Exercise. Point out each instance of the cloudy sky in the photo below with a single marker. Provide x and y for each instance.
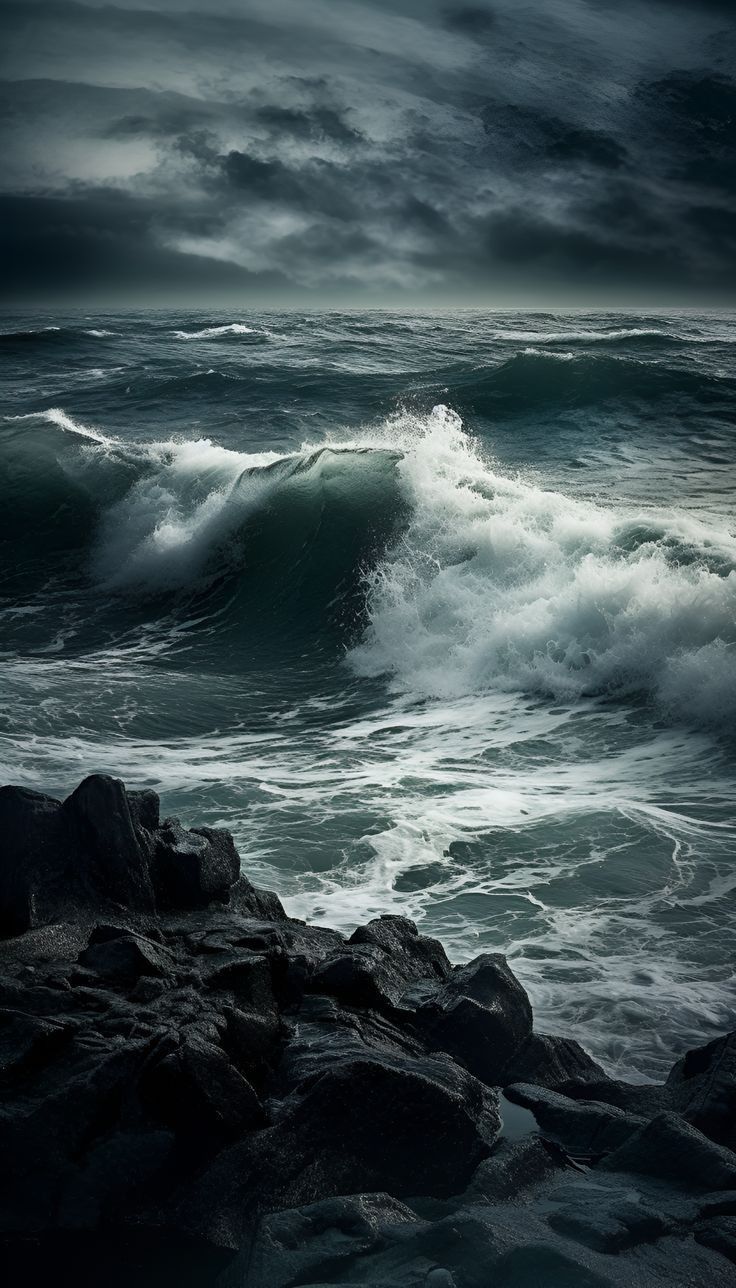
(369, 151)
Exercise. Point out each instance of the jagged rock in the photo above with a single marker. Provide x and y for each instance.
(647, 1100)
(481, 1016)
(119, 1173)
(255, 902)
(318, 1241)
(106, 844)
(253, 1041)
(27, 1043)
(380, 963)
(512, 1170)
(122, 958)
(414, 956)
(584, 1129)
(193, 868)
(552, 1062)
(702, 1086)
(213, 1094)
(328, 1035)
(248, 976)
(670, 1148)
(605, 1220)
(32, 829)
(417, 1128)
(105, 848)
(719, 1235)
(196, 1090)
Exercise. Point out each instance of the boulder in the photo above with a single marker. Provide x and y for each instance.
(27, 1043)
(196, 1091)
(514, 1169)
(122, 958)
(672, 1149)
(414, 956)
(193, 868)
(720, 1235)
(380, 965)
(552, 1062)
(314, 1243)
(481, 1016)
(253, 1041)
(702, 1087)
(586, 1129)
(110, 854)
(608, 1220)
(420, 1127)
(34, 856)
(248, 976)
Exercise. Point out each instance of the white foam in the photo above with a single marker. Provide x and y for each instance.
(99, 334)
(185, 506)
(212, 332)
(498, 584)
(585, 336)
(56, 416)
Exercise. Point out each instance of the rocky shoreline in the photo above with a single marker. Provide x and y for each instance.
(201, 1091)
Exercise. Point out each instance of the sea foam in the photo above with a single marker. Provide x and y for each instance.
(499, 584)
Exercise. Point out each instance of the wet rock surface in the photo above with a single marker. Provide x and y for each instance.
(198, 1090)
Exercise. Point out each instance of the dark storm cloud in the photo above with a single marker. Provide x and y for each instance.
(528, 134)
(405, 150)
(472, 20)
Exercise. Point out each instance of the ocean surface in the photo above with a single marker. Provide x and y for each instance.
(437, 612)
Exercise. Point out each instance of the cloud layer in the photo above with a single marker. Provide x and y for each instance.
(369, 151)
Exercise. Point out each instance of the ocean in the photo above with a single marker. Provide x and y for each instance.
(436, 612)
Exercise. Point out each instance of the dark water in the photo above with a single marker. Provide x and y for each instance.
(437, 613)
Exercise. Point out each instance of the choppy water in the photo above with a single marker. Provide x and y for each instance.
(436, 612)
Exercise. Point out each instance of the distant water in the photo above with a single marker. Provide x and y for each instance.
(436, 612)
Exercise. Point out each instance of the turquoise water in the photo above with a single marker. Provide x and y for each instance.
(436, 612)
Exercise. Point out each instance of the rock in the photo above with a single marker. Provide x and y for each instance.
(585, 1129)
(121, 1171)
(109, 852)
(481, 1016)
(609, 1220)
(420, 1128)
(28, 1043)
(34, 849)
(248, 976)
(105, 848)
(209, 1093)
(196, 1091)
(703, 1089)
(145, 809)
(513, 1169)
(253, 902)
(411, 954)
(319, 1241)
(193, 868)
(123, 958)
(670, 1148)
(253, 1042)
(552, 1062)
(720, 1235)
(647, 1100)
(380, 963)
(327, 1035)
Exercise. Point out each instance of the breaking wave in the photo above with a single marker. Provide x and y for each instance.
(217, 332)
(454, 577)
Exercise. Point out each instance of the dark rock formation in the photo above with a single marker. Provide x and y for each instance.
(199, 1091)
(481, 1016)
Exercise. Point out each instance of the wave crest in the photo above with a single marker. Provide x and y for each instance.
(499, 584)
